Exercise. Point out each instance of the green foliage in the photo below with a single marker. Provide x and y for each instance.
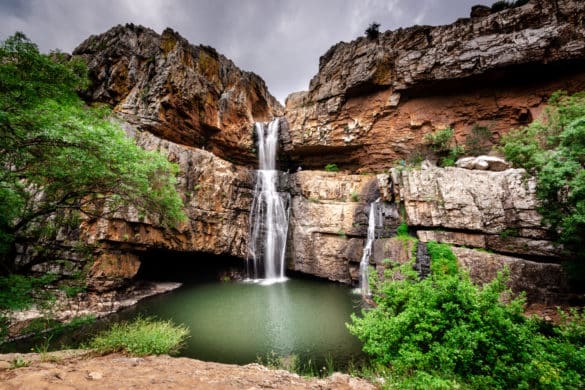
(440, 141)
(445, 332)
(442, 144)
(478, 141)
(554, 150)
(402, 230)
(373, 31)
(331, 168)
(355, 196)
(57, 154)
(143, 336)
(19, 362)
(18, 292)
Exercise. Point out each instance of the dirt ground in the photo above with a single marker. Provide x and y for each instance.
(79, 370)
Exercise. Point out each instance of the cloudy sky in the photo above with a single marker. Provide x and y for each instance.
(280, 40)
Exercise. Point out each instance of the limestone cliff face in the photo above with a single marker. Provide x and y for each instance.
(191, 95)
(374, 100)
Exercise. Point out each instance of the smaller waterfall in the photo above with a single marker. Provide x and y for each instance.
(373, 220)
(269, 213)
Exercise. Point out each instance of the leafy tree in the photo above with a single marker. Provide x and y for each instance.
(373, 31)
(61, 157)
(554, 150)
(445, 332)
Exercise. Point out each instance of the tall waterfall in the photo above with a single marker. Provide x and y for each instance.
(365, 261)
(269, 213)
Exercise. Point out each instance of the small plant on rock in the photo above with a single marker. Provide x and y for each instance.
(331, 168)
(373, 31)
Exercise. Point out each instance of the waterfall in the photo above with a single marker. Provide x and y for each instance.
(373, 220)
(269, 213)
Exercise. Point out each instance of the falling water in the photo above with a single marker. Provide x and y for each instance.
(364, 263)
(269, 213)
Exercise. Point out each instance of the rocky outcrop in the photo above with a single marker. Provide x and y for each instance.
(481, 209)
(329, 221)
(217, 196)
(373, 101)
(191, 95)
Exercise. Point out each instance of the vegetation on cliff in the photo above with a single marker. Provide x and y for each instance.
(554, 150)
(445, 332)
(60, 159)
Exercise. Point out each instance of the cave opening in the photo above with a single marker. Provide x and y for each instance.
(162, 265)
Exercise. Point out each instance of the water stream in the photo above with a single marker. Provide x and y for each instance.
(269, 213)
(373, 221)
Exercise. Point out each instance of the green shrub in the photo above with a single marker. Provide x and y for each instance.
(445, 332)
(440, 141)
(373, 31)
(554, 150)
(19, 292)
(355, 196)
(143, 336)
(500, 6)
(402, 230)
(478, 141)
(331, 168)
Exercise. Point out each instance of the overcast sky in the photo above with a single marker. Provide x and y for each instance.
(280, 40)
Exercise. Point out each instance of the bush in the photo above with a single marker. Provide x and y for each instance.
(331, 168)
(19, 292)
(554, 150)
(373, 31)
(143, 336)
(445, 332)
(440, 141)
(402, 230)
(500, 6)
(478, 141)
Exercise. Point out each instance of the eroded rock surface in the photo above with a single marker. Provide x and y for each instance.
(191, 95)
(329, 222)
(373, 101)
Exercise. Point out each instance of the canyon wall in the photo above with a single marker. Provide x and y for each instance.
(374, 100)
(367, 110)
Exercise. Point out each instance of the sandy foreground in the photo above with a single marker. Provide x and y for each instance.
(76, 369)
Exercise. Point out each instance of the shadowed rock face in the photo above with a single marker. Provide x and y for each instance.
(187, 94)
(374, 100)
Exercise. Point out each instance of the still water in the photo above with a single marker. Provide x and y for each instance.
(237, 322)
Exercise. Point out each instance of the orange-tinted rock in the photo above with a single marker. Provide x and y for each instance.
(187, 94)
(373, 101)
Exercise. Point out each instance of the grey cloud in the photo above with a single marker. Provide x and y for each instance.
(279, 40)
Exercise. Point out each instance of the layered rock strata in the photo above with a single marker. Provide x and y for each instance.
(191, 95)
(373, 101)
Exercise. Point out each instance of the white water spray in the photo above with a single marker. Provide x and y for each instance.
(365, 261)
(269, 213)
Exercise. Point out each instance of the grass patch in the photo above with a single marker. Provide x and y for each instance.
(141, 337)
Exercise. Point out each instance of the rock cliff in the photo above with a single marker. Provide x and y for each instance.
(374, 100)
(191, 95)
(369, 106)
